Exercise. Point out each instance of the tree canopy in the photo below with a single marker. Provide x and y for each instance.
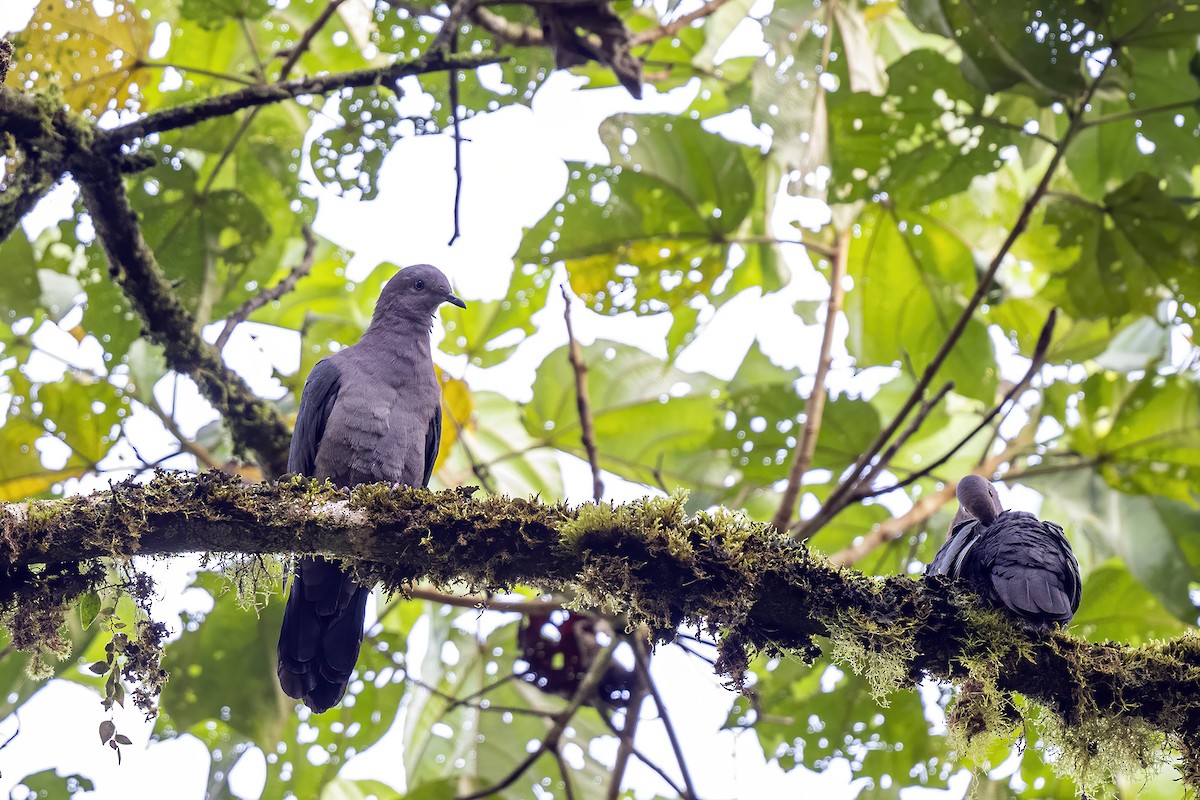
(990, 211)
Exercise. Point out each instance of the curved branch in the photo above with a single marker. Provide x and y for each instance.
(755, 587)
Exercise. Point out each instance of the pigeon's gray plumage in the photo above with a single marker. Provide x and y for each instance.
(371, 412)
(1010, 558)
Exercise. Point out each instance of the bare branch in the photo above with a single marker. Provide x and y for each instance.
(675, 26)
(814, 406)
(301, 47)
(841, 497)
(892, 529)
(642, 657)
(225, 104)
(588, 433)
(627, 734)
(483, 603)
(1036, 360)
(267, 296)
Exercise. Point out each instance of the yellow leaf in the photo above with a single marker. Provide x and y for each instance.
(457, 410)
(23, 487)
(93, 57)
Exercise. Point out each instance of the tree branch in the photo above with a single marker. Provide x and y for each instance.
(675, 26)
(584, 692)
(814, 406)
(254, 423)
(756, 588)
(1035, 363)
(225, 104)
(642, 658)
(841, 496)
(587, 431)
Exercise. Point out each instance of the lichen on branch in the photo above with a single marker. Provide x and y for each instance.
(755, 589)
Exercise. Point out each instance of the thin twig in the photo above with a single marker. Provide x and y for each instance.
(588, 433)
(266, 296)
(565, 771)
(1037, 359)
(197, 451)
(584, 692)
(642, 658)
(306, 38)
(481, 603)
(892, 529)
(814, 406)
(445, 36)
(1139, 113)
(927, 407)
(454, 117)
(675, 26)
(840, 498)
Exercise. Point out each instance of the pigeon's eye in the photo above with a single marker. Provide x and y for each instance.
(419, 284)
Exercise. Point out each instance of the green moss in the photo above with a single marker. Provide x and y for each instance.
(880, 653)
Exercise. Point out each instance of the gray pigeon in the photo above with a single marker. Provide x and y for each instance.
(1010, 558)
(371, 412)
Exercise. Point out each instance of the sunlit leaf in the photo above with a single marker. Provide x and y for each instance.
(94, 51)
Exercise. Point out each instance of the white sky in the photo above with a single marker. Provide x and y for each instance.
(513, 173)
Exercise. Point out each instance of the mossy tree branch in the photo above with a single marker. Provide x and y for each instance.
(757, 590)
(254, 423)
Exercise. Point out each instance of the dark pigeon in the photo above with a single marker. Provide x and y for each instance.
(1010, 558)
(371, 412)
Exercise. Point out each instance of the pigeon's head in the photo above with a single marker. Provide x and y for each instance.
(413, 294)
(978, 499)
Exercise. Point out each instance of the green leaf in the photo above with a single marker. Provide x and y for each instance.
(651, 232)
(916, 145)
(1135, 251)
(910, 276)
(50, 784)
(653, 422)
(810, 715)
(228, 641)
(998, 50)
(498, 441)
(216, 13)
(366, 115)
(1144, 532)
(1145, 433)
(343, 789)
(488, 332)
(1116, 607)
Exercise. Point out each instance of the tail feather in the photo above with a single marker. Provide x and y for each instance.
(321, 635)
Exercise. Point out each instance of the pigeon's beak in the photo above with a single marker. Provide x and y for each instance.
(456, 300)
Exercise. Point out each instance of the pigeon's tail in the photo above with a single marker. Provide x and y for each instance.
(321, 635)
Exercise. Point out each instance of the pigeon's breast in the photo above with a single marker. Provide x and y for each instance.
(376, 432)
